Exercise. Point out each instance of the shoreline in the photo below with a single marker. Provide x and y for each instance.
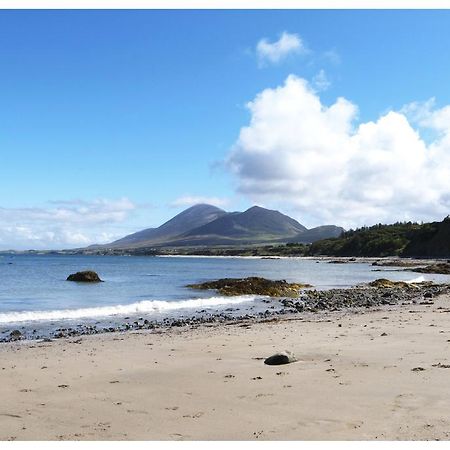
(309, 301)
(372, 373)
(368, 259)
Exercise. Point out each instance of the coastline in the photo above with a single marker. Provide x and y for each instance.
(263, 307)
(369, 373)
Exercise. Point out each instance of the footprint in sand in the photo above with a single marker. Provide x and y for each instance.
(136, 411)
(194, 416)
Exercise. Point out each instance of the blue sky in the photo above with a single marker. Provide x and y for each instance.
(112, 121)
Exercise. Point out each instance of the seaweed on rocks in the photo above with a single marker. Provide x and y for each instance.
(252, 285)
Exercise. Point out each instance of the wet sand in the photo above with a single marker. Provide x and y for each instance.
(378, 374)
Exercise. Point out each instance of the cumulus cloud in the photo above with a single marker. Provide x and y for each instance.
(190, 200)
(64, 224)
(274, 52)
(298, 153)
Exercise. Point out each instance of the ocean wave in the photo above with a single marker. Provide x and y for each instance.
(417, 280)
(145, 306)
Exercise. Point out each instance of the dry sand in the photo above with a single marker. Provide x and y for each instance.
(210, 383)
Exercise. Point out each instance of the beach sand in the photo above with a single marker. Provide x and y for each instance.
(354, 381)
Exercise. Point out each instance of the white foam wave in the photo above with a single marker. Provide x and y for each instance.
(145, 306)
(417, 280)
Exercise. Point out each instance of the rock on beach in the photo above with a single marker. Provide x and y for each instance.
(280, 358)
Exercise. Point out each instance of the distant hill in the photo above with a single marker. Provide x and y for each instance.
(399, 239)
(206, 225)
(318, 233)
(431, 240)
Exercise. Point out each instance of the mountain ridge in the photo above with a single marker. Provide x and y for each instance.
(208, 225)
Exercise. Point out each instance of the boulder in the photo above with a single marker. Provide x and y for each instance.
(87, 276)
(15, 335)
(277, 359)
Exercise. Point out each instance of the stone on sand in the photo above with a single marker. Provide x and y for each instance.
(279, 358)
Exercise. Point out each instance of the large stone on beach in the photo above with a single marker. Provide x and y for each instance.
(87, 276)
(15, 335)
(280, 358)
(252, 286)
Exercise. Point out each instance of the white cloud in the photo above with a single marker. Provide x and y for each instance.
(274, 52)
(190, 200)
(66, 224)
(299, 153)
(332, 56)
(321, 81)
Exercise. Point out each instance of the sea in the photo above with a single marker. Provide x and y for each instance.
(36, 299)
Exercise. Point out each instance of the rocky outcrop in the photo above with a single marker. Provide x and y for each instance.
(384, 283)
(253, 286)
(87, 276)
(441, 268)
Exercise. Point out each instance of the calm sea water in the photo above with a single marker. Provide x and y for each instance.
(34, 290)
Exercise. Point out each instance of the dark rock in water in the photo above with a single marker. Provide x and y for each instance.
(442, 268)
(87, 276)
(15, 335)
(252, 285)
(280, 358)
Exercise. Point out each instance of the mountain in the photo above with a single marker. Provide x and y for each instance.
(193, 217)
(254, 225)
(206, 225)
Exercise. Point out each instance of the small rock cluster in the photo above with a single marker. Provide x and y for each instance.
(364, 297)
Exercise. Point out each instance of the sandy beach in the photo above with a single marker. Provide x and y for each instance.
(377, 374)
